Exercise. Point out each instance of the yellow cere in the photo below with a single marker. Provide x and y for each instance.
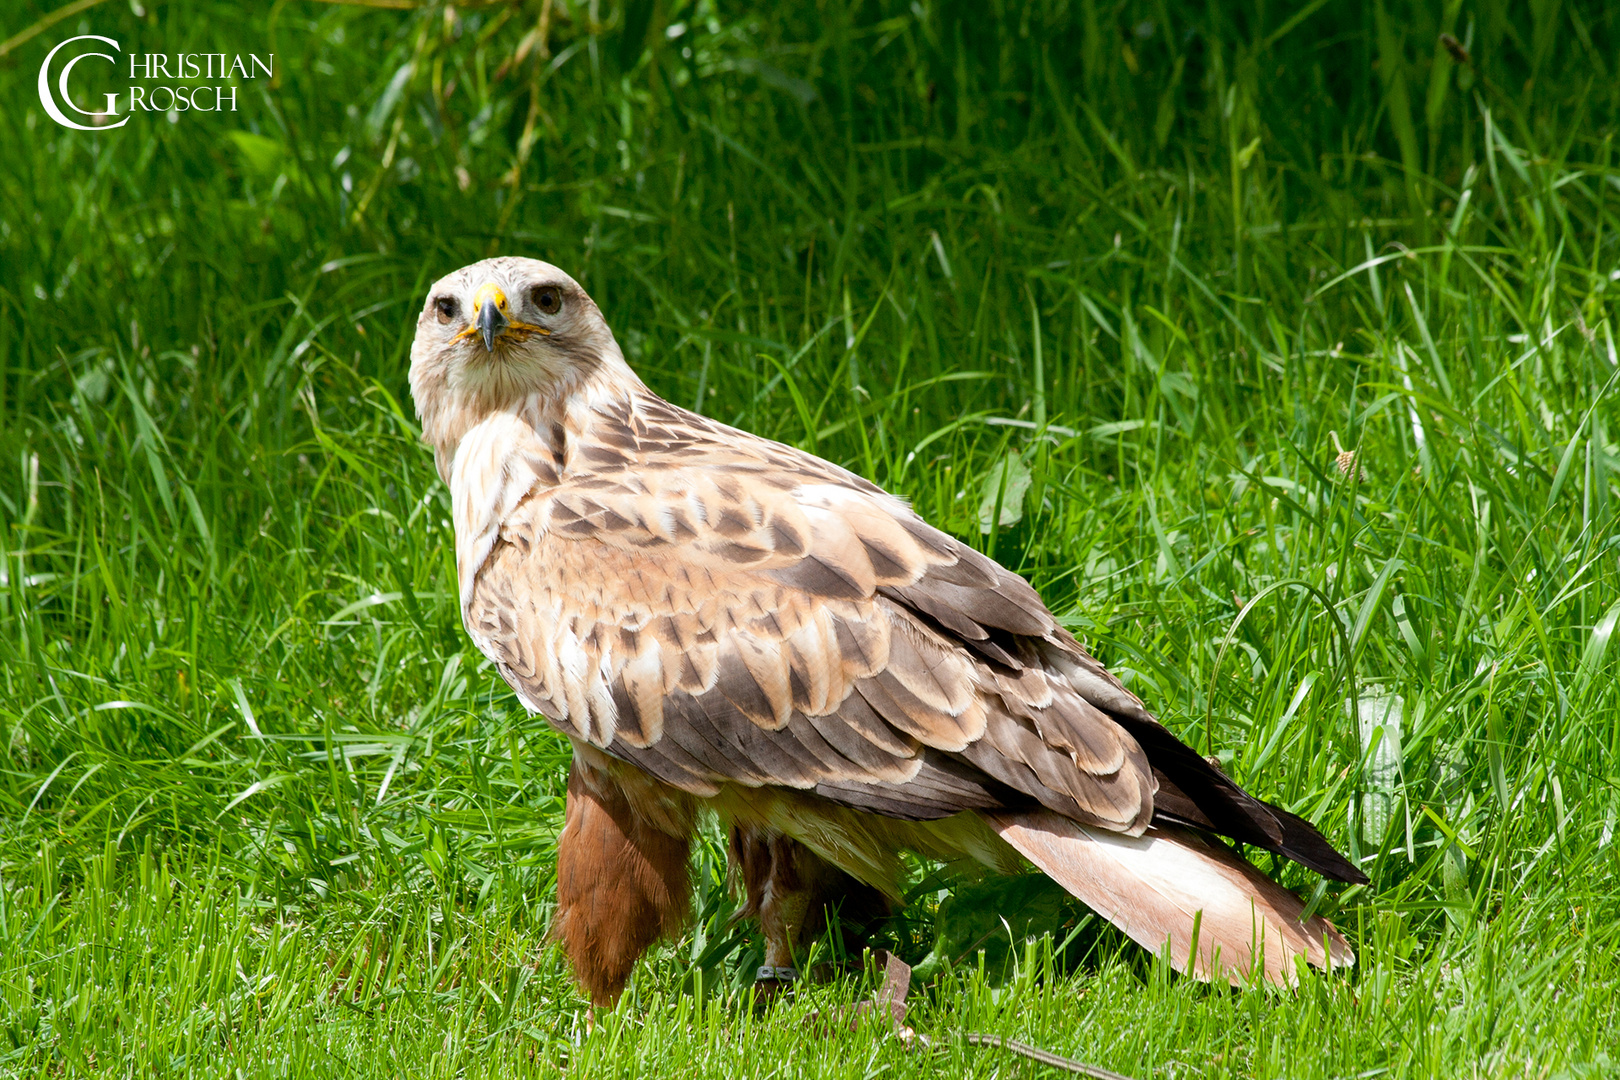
(489, 291)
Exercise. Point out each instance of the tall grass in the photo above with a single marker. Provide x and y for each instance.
(1103, 288)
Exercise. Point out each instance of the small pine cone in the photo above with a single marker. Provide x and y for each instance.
(1348, 461)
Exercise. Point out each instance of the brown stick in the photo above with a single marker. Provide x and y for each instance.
(1045, 1057)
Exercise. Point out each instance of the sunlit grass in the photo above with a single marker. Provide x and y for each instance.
(1103, 290)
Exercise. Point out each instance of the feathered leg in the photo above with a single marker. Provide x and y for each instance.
(791, 890)
(622, 883)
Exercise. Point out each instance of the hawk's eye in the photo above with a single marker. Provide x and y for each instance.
(447, 308)
(548, 298)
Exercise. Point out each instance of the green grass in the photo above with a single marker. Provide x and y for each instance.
(264, 810)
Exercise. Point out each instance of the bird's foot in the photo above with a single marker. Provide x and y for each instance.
(772, 983)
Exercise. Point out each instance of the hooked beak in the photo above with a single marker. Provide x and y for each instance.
(494, 321)
(491, 320)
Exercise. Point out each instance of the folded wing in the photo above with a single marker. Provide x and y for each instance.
(719, 609)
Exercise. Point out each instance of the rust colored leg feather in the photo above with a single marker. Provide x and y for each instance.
(621, 884)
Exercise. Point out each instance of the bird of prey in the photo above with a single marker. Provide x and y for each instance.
(718, 621)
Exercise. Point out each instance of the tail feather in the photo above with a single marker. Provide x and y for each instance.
(1159, 886)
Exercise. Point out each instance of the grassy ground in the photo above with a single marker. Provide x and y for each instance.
(1103, 287)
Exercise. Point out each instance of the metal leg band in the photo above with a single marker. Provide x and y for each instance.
(778, 974)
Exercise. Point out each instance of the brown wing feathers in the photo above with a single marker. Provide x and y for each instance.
(1194, 792)
(719, 609)
(1020, 754)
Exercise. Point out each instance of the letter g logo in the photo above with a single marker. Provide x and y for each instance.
(47, 99)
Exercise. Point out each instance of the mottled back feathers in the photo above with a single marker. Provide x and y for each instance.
(716, 608)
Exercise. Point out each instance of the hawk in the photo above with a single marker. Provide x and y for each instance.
(718, 621)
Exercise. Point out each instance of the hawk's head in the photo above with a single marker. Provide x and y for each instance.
(501, 335)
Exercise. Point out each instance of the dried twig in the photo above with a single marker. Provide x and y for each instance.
(1045, 1057)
